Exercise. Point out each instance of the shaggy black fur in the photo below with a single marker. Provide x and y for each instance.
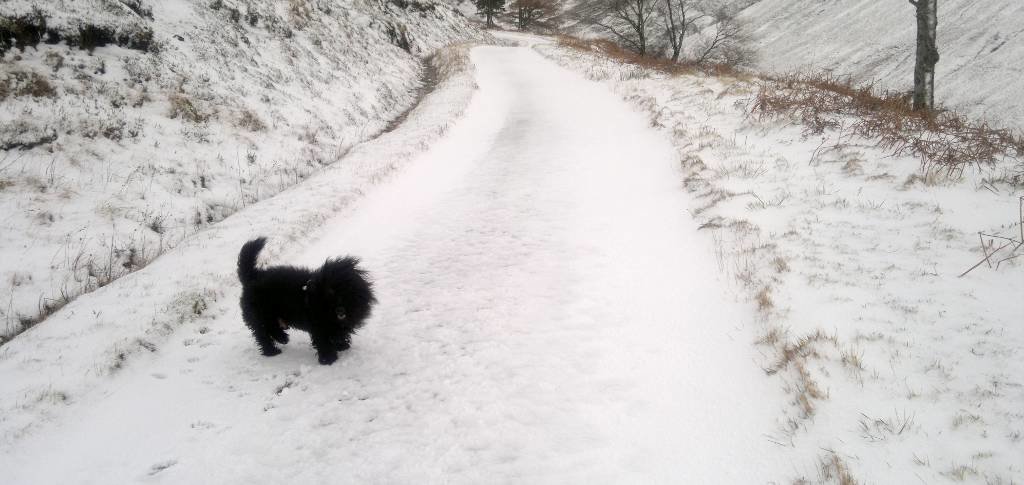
(330, 302)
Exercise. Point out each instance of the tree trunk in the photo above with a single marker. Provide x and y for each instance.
(927, 54)
(677, 43)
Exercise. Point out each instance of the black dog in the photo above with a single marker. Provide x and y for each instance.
(330, 303)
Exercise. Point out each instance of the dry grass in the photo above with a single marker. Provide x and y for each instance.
(764, 300)
(772, 336)
(852, 359)
(965, 418)
(660, 64)
(123, 258)
(182, 106)
(796, 356)
(940, 138)
(25, 83)
(961, 473)
(834, 470)
(780, 264)
(250, 121)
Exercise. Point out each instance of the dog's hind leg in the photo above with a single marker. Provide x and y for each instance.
(266, 344)
(260, 328)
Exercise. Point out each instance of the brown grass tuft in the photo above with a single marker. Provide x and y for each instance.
(940, 138)
(835, 470)
(250, 121)
(182, 106)
(764, 300)
(780, 264)
(25, 83)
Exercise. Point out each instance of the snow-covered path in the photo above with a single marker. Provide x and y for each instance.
(547, 314)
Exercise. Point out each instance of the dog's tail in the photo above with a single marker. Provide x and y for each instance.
(247, 259)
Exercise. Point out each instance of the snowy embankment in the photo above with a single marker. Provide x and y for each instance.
(55, 363)
(897, 370)
(145, 122)
(981, 44)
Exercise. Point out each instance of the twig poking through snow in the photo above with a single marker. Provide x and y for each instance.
(1015, 243)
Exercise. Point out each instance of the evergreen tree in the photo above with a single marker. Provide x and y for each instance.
(489, 8)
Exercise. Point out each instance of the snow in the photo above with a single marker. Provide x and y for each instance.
(98, 334)
(981, 44)
(224, 111)
(895, 368)
(548, 313)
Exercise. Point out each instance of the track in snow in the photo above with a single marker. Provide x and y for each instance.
(547, 313)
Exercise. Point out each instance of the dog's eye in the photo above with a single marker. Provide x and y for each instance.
(340, 312)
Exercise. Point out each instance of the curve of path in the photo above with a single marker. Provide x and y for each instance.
(548, 314)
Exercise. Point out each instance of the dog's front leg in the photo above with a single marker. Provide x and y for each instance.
(325, 350)
(278, 333)
(342, 341)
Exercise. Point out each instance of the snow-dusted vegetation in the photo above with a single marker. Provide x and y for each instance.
(981, 44)
(184, 292)
(683, 241)
(850, 258)
(129, 125)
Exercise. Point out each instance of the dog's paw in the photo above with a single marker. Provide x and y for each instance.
(281, 338)
(327, 359)
(342, 345)
(271, 351)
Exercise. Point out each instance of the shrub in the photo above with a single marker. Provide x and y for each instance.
(251, 121)
(25, 31)
(182, 106)
(399, 36)
(252, 17)
(25, 83)
(942, 139)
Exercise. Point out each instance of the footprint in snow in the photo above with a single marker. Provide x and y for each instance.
(159, 467)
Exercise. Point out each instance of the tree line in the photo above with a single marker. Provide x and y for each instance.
(662, 27)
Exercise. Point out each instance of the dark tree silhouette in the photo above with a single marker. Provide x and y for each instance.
(489, 8)
(679, 17)
(629, 21)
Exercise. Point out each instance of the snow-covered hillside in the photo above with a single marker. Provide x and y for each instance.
(127, 126)
(981, 44)
(897, 369)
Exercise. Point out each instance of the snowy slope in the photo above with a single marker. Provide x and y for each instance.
(118, 153)
(539, 322)
(847, 259)
(76, 352)
(981, 44)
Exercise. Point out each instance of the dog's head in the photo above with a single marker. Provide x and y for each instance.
(340, 292)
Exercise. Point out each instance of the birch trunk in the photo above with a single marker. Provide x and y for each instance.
(927, 54)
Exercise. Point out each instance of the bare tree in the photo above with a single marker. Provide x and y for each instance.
(726, 44)
(629, 21)
(927, 54)
(530, 11)
(679, 18)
